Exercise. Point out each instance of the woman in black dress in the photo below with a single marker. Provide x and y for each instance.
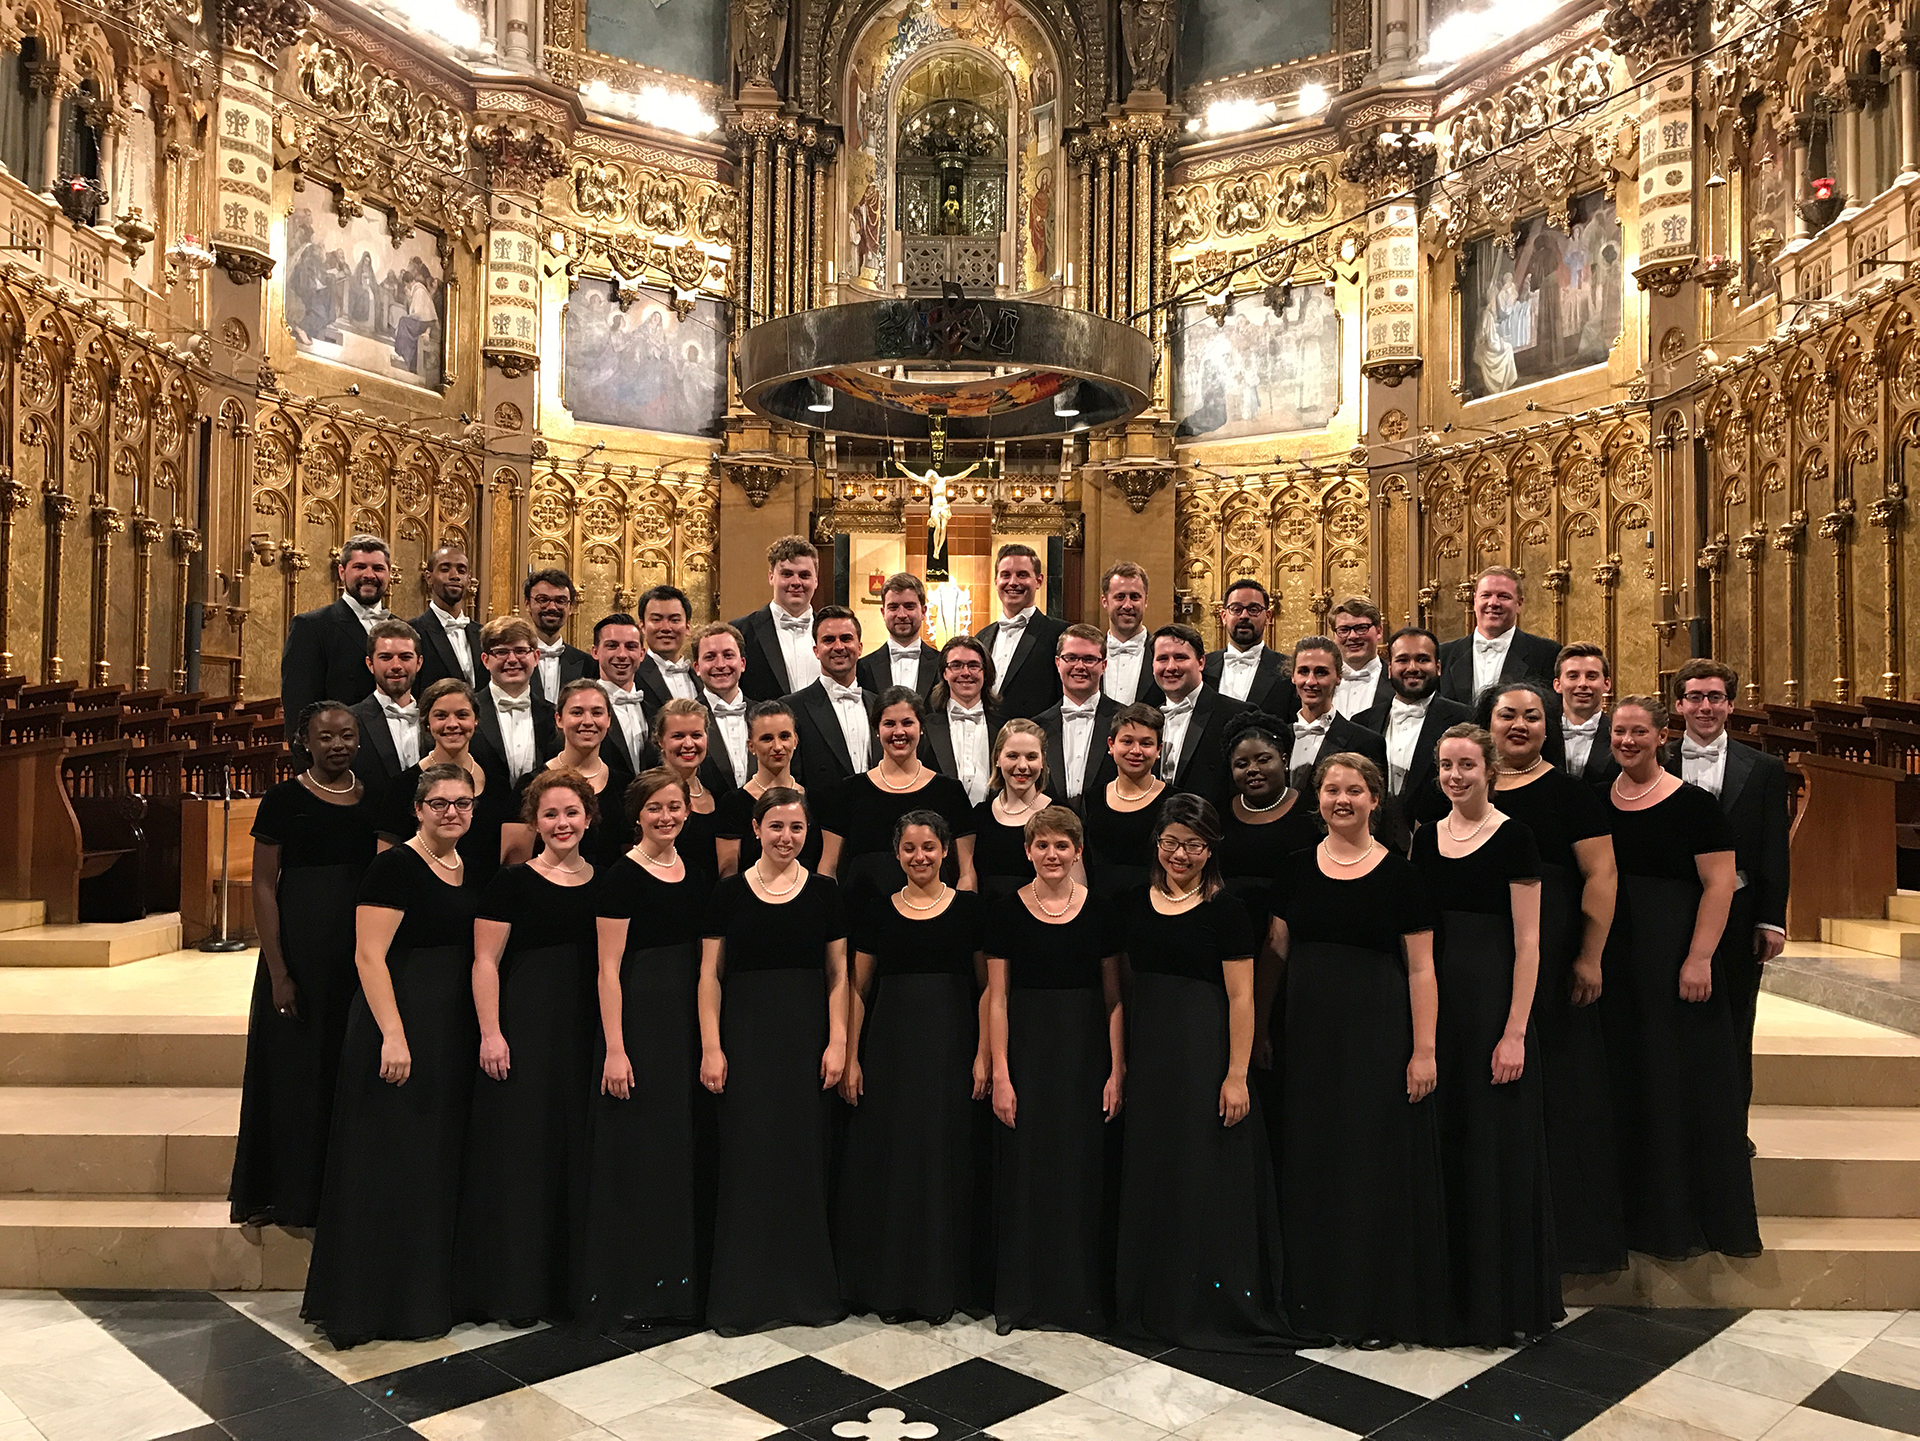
(447, 721)
(312, 842)
(772, 740)
(583, 715)
(1058, 1037)
(1686, 1185)
(1360, 1184)
(1569, 823)
(859, 814)
(1484, 873)
(527, 1143)
(644, 1215)
(916, 1063)
(382, 1263)
(1199, 1250)
(1017, 791)
(773, 1043)
(1120, 815)
(679, 733)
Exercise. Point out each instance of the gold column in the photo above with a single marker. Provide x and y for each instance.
(1752, 548)
(1143, 169)
(58, 509)
(757, 309)
(1558, 581)
(1103, 198)
(1713, 560)
(1787, 539)
(1156, 282)
(13, 497)
(782, 216)
(1837, 526)
(186, 545)
(106, 524)
(145, 531)
(1886, 515)
(1606, 575)
(1122, 230)
(1083, 160)
(816, 280)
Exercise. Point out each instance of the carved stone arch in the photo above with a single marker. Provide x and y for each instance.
(1630, 519)
(1865, 32)
(87, 50)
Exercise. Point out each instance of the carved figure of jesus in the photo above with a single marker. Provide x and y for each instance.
(942, 506)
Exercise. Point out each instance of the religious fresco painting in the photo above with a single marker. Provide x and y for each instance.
(1545, 305)
(682, 37)
(1763, 215)
(1265, 371)
(644, 367)
(355, 297)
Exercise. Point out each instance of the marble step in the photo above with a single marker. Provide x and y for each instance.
(1904, 907)
(142, 1243)
(1836, 1070)
(1826, 1263)
(92, 943)
(1883, 938)
(17, 915)
(117, 1141)
(38, 1050)
(1836, 1161)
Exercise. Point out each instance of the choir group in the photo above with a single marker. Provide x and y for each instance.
(1076, 976)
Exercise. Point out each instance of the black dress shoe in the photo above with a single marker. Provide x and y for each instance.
(1752, 1150)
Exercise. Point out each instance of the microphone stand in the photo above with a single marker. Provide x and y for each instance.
(220, 940)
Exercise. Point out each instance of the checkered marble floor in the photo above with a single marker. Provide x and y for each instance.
(194, 1366)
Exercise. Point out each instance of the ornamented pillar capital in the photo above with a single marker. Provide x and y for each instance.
(263, 27)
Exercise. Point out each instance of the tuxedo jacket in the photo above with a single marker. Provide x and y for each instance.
(822, 758)
(1342, 735)
(1382, 693)
(1146, 692)
(875, 671)
(1100, 766)
(1272, 689)
(438, 660)
(653, 685)
(1753, 796)
(376, 762)
(1530, 657)
(325, 658)
(1031, 682)
(1201, 767)
(936, 739)
(486, 737)
(766, 674)
(575, 664)
(613, 747)
(1601, 767)
(1418, 801)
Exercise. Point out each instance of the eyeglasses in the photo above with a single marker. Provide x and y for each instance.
(1171, 847)
(1079, 661)
(1706, 697)
(966, 665)
(1253, 608)
(518, 652)
(440, 805)
(1352, 632)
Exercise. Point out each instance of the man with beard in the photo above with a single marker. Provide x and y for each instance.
(1411, 723)
(389, 718)
(447, 634)
(550, 599)
(1248, 669)
(326, 652)
(905, 659)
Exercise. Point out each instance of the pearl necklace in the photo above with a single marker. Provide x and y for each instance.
(1327, 845)
(767, 885)
(1033, 798)
(590, 776)
(556, 866)
(672, 860)
(434, 856)
(1279, 800)
(1458, 839)
(1120, 794)
(1638, 795)
(1042, 905)
(1538, 761)
(319, 784)
(929, 905)
(1180, 898)
(881, 771)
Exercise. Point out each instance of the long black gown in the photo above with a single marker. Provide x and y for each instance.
(906, 1224)
(1000, 864)
(286, 1097)
(698, 844)
(1199, 1250)
(611, 834)
(1119, 849)
(382, 1263)
(733, 821)
(645, 1213)
(1361, 1197)
(1686, 1184)
(1053, 1196)
(772, 1239)
(479, 847)
(1493, 1143)
(863, 815)
(1576, 1093)
(527, 1141)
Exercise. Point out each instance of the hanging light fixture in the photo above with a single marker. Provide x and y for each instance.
(820, 396)
(1066, 400)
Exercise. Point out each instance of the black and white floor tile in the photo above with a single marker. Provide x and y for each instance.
(194, 1366)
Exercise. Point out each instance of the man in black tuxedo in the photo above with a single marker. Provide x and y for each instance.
(1077, 728)
(1247, 669)
(1411, 724)
(1021, 642)
(718, 663)
(1497, 649)
(957, 737)
(389, 718)
(1363, 674)
(780, 635)
(1193, 738)
(1123, 599)
(449, 640)
(326, 651)
(1752, 790)
(666, 620)
(1582, 679)
(904, 659)
(1317, 731)
(618, 652)
(550, 599)
(513, 725)
(833, 716)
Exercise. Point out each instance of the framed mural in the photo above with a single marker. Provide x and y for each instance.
(644, 367)
(357, 297)
(1545, 305)
(1266, 371)
(1763, 216)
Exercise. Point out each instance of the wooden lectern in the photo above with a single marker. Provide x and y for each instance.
(1842, 845)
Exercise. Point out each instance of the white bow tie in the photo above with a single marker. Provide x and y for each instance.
(1311, 728)
(629, 697)
(1242, 657)
(1487, 645)
(1180, 707)
(1080, 712)
(1405, 710)
(957, 713)
(904, 652)
(837, 693)
(1691, 750)
(506, 705)
(376, 612)
(1588, 727)
(1016, 622)
(725, 707)
(1136, 646)
(552, 652)
(1364, 673)
(674, 667)
(798, 624)
(410, 712)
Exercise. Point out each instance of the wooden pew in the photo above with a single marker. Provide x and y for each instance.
(41, 859)
(112, 883)
(156, 773)
(1842, 842)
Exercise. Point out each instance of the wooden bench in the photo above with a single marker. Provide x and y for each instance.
(41, 858)
(112, 883)
(157, 773)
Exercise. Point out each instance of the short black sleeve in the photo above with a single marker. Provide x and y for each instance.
(1414, 906)
(506, 896)
(952, 803)
(1703, 825)
(726, 898)
(271, 820)
(733, 814)
(1518, 854)
(1233, 927)
(392, 880)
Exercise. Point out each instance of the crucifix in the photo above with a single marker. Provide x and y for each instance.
(938, 495)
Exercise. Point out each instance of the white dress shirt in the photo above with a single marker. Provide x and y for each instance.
(459, 635)
(905, 664)
(1579, 740)
(1237, 669)
(1704, 765)
(730, 719)
(403, 724)
(850, 709)
(1490, 657)
(1308, 737)
(1126, 662)
(972, 748)
(795, 633)
(1076, 742)
(676, 674)
(549, 668)
(1404, 720)
(1357, 688)
(368, 617)
(515, 714)
(1175, 716)
(1006, 640)
(630, 714)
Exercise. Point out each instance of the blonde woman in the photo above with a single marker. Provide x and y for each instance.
(1017, 793)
